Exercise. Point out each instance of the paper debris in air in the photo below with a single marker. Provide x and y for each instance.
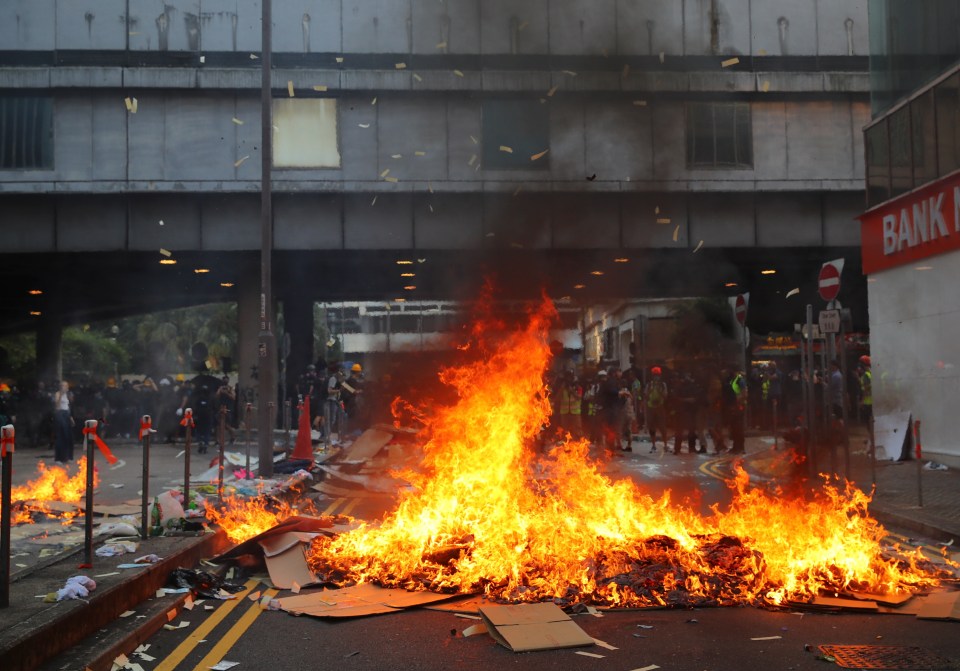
(537, 157)
(320, 87)
(569, 73)
(730, 61)
(676, 233)
(385, 173)
(648, 668)
(765, 87)
(373, 202)
(640, 103)
(699, 245)
(419, 153)
(165, 252)
(374, 101)
(551, 92)
(224, 665)
(663, 220)
(507, 150)
(131, 104)
(663, 57)
(458, 73)
(239, 161)
(441, 45)
(474, 140)
(254, 57)
(400, 66)
(290, 87)
(339, 59)
(793, 292)
(237, 121)
(417, 77)
(364, 125)
(473, 159)
(392, 180)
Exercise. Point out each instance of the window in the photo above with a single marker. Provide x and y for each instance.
(26, 132)
(305, 133)
(719, 135)
(514, 131)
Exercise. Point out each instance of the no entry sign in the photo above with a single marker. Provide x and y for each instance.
(828, 282)
(740, 309)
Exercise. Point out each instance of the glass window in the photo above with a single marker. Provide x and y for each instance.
(878, 163)
(901, 158)
(948, 122)
(26, 132)
(719, 135)
(514, 131)
(305, 133)
(924, 145)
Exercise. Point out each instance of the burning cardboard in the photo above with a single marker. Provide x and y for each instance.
(533, 626)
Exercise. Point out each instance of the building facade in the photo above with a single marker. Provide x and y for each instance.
(703, 138)
(911, 231)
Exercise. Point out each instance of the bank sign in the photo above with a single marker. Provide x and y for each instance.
(913, 226)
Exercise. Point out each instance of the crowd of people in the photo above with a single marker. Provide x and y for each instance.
(705, 406)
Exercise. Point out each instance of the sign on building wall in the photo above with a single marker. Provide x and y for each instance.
(913, 226)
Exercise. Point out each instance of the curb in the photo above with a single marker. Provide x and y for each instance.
(59, 634)
(888, 518)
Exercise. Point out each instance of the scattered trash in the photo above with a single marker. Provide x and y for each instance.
(116, 548)
(116, 529)
(645, 626)
(766, 638)
(181, 625)
(77, 587)
(201, 583)
(934, 466)
(223, 665)
(533, 626)
(692, 621)
(475, 629)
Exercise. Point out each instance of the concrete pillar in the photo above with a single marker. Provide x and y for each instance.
(298, 322)
(49, 347)
(248, 328)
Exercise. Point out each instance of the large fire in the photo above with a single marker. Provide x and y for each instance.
(487, 513)
(53, 483)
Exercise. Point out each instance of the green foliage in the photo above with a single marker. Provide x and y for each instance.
(18, 356)
(90, 354)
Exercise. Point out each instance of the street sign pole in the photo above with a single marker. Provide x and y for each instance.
(811, 399)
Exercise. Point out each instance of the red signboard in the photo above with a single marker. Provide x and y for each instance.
(914, 226)
(828, 283)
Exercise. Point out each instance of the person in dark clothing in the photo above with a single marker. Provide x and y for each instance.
(610, 401)
(202, 404)
(684, 401)
(224, 400)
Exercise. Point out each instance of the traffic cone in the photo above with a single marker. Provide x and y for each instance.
(304, 447)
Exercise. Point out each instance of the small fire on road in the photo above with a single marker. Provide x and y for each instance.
(488, 514)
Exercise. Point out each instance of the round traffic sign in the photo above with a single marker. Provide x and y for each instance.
(829, 282)
(740, 309)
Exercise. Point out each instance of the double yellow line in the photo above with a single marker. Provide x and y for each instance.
(173, 660)
(347, 509)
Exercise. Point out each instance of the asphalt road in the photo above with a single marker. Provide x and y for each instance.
(695, 640)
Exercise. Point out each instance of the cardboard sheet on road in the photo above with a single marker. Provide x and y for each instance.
(533, 626)
(357, 601)
(296, 523)
(940, 606)
(468, 604)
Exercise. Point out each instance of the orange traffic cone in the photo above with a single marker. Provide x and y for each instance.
(304, 447)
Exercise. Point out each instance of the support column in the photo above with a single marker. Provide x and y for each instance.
(298, 322)
(248, 329)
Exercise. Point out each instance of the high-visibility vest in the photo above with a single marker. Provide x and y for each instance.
(569, 401)
(866, 387)
(656, 393)
(765, 389)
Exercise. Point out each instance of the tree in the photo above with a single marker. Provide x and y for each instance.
(91, 354)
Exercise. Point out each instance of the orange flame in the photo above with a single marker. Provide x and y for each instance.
(487, 514)
(242, 519)
(54, 483)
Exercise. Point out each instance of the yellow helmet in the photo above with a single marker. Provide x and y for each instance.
(356, 368)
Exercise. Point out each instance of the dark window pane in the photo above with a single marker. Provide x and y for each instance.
(26, 132)
(520, 126)
(901, 160)
(878, 163)
(948, 138)
(923, 120)
(719, 135)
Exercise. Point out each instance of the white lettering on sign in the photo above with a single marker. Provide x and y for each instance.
(920, 223)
